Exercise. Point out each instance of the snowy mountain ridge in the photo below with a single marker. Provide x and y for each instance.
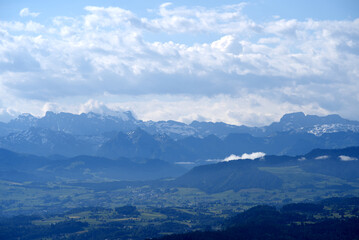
(94, 124)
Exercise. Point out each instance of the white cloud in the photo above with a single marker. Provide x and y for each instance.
(224, 20)
(232, 157)
(184, 163)
(101, 108)
(347, 158)
(25, 12)
(322, 157)
(33, 26)
(249, 72)
(7, 114)
(250, 156)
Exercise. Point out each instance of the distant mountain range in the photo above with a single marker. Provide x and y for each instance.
(122, 135)
(91, 124)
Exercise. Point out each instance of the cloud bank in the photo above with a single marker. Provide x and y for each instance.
(249, 72)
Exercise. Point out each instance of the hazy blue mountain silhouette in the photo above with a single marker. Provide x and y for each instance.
(211, 178)
(25, 167)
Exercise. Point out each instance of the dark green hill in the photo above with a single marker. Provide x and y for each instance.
(272, 172)
(303, 221)
(233, 175)
(342, 163)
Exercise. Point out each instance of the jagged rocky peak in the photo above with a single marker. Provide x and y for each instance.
(107, 120)
(290, 117)
(122, 116)
(79, 124)
(301, 118)
(22, 122)
(52, 116)
(25, 117)
(125, 115)
(295, 121)
(49, 114)
(313, 124)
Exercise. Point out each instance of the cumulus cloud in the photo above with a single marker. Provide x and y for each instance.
(277, 66)
(347, 158)
(101, 108)
(225, 20)
(232, 157)
(25, 12)
(250, 156)
(322, 157)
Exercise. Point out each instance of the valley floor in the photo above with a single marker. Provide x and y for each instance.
(78, 210)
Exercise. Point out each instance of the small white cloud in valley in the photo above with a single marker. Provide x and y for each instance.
(184, 163)
(251, 156)
(232, 157)
(347, 158)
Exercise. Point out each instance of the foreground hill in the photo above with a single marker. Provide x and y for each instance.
(292, 221)
(234, 175)
(275, 172)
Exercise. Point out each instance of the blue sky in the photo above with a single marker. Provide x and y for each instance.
(239, 62)
(259, 10)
